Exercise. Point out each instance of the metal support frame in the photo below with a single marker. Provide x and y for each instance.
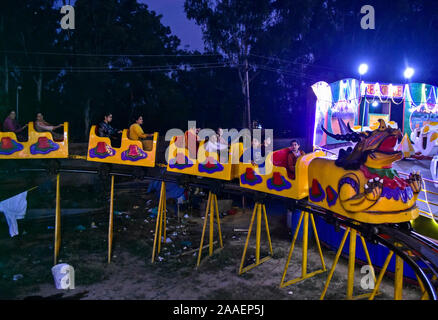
(398, 278)
(210, 210)
(257, 210)
(304, 274)
(57, 220)
(160, 227)
(351, 264)
(111, 220)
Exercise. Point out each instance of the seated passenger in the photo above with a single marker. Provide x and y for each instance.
(192, 136)
(136, 133)
(42, 126)
(106, 130)
(292, 158)
(254, 154)
(11, 125)
(215, 143)
(220, 136)
(267, 146)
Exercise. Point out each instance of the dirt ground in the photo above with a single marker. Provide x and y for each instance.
(131, 275)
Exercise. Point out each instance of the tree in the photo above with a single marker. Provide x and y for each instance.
(231, 28)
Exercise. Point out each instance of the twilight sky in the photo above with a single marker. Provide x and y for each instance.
(174, 16)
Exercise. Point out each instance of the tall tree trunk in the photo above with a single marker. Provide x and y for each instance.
(87, 119)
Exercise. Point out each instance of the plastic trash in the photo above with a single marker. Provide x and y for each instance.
(50, 227)
(80, 228)
(118, 213)
(186, 216)
(17, 277)
(168, 240)
(160, 258)
(154, 212)
(63, 275)
(93, 225)
(136, 207)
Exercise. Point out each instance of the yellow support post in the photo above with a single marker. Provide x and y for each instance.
(258, 234)
(218, 223)
(210, 210)
(259, 209)
(367, 254)
(159, 223)
(267, 230)
(111, 221)
(247, 239)
(207, 207)
(164, 211)
(398, 279)
(382, 272)
(335, 262)
(210, 243)
(304, 275)
(424, 294)
(305, 238)
(57, 221)
(160, 218)
(351, 265)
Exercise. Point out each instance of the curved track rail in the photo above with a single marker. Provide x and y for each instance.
(419, 252)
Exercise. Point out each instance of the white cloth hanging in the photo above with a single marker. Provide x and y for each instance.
(14, 208)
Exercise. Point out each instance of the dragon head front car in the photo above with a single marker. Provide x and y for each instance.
(361, 184)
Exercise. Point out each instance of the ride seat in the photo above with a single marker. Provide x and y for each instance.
(279, 159)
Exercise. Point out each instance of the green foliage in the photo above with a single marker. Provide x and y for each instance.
(289, 45)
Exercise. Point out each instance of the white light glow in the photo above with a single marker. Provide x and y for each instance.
(409, 72)
(375, 104)
(363, 68)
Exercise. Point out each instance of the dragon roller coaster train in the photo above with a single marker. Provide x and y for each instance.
(358, 189)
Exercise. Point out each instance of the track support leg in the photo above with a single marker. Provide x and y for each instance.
(304, 274)
(111, 221)
(351, 265)
(160, 227)
(398, 279)
(258, 208)
(210, 211)
(57, 221)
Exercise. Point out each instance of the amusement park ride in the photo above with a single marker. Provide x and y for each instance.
(348, 180)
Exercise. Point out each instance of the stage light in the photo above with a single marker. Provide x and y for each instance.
(363, 68)
(409, 72)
